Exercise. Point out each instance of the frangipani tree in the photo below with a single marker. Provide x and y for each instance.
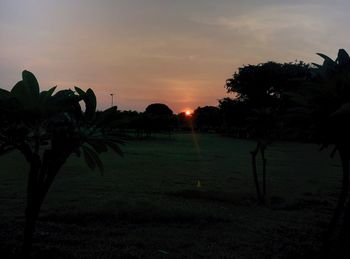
(326, 98)
(332, 109)
(47, 128)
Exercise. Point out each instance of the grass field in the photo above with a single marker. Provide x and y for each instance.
(148, 204)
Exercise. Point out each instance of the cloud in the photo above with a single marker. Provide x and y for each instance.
(295, 29)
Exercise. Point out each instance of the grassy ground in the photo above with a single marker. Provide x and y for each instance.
(148, 204)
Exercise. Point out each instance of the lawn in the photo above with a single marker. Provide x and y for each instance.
(149, 204)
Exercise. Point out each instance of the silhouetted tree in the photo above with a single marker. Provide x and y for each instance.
(158, 117)
(234, 113)
(47, 128)
(262, 84)
(207, 118)
(326, 97)
(158, 109)
(260, 87)
(124, 121)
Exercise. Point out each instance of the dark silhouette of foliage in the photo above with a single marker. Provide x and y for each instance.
(158, 109)
(234, 113)
(207, 118)
(259, 88)
(326, 97)
(262, 84)
(158, 117)
(47, 128)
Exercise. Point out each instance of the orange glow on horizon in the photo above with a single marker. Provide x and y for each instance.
(188, 113)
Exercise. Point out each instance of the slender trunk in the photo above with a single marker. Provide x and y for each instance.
(31, 217)
(264, 172)
(255, 173)
(327, 243)
(31, 211)
(344, 237)
(40, 179)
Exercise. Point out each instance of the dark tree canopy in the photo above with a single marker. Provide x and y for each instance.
(263, 83)
(159, 109)
(157, 117)
(207, 117)
(234, 112)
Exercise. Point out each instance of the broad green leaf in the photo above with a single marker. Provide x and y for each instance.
(316, 65)
(94, 157)
(27, 90)
(89, 160)
(19, 92)
(343, 57)
(45, 95)
(115, 148)
(31, 84)
(51, 90)
(326, 58)
(99, 146)
(66, 100)
(90, 102)
(79, 91)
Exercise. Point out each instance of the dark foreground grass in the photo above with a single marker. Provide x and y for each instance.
(148, 204)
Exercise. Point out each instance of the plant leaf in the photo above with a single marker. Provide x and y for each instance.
(45, 95)
(90, 102)
(18, 91)
(79, 91)
(343, 57)
(326, 58)
(31, 84)
(89, 160)
(115, 148)
(94, 156)
(99, 146)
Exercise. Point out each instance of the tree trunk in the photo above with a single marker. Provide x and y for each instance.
(344, 237)
(339, 210)
(32, 208)
(40, 179)
(31, 217)
(255, 172)
(262, 150)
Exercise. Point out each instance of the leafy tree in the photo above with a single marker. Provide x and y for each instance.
(234, 113)
(207, 117)
(326, 97)
(158, 117)
(47, 128)
(260, 87)
(159, 109)
(262, 84)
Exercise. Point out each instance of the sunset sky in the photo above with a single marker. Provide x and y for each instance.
(177, 52)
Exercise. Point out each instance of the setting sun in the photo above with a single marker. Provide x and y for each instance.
(188, 113)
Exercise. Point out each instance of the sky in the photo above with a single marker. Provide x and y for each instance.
(177, 52)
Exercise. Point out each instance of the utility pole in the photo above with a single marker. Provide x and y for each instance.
(112, 95)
